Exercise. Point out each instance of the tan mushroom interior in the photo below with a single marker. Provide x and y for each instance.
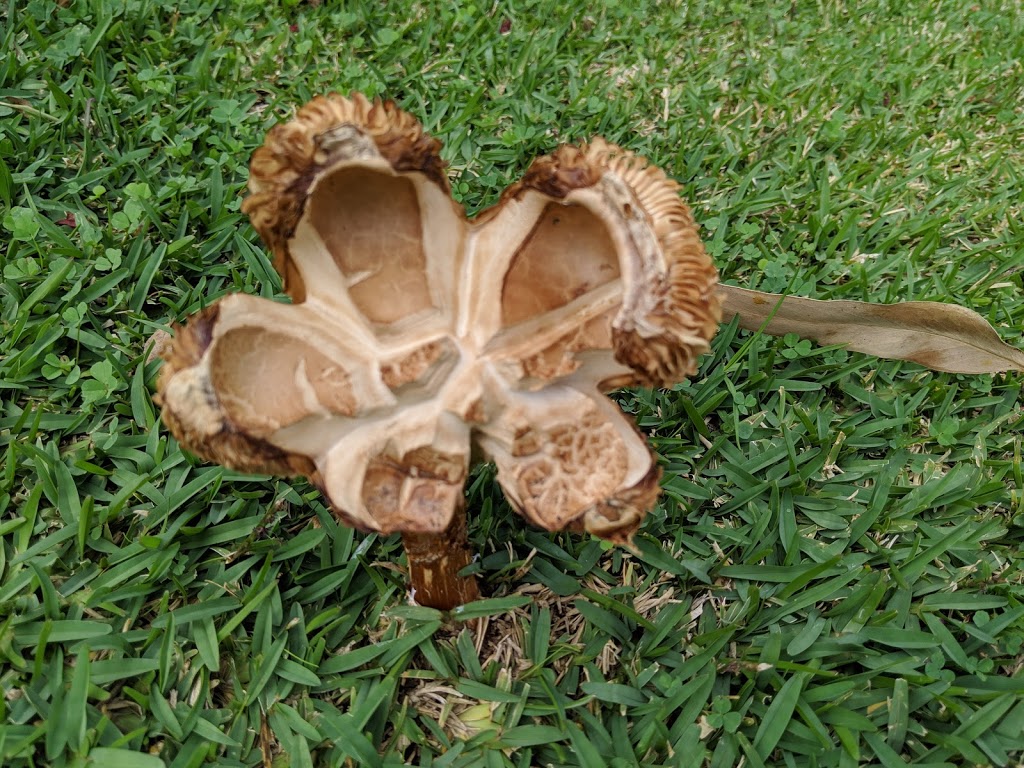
(258, 374)
(565, 467)
(370, 222)
(568, 253)
(415, 492)
(561, 451)
(420, 371)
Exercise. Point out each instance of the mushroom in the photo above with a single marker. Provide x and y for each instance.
(417, 340)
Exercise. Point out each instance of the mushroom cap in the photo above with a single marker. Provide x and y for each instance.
(417, 338)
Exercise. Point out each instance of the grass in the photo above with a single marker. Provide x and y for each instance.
(834, 575)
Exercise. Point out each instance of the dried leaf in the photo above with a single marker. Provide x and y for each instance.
(943, 337)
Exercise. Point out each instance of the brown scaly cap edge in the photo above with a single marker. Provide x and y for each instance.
(558, 174)
(684, 308)
(294, 153)
(554, 175)
(197, 419)
(688, 309)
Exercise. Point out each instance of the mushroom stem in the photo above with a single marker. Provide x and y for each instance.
(435, 560)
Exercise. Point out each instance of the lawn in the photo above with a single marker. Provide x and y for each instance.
(834, 574)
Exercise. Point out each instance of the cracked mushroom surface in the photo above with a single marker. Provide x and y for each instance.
(416, 335)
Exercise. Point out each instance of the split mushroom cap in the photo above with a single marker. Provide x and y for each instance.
(415, 335)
